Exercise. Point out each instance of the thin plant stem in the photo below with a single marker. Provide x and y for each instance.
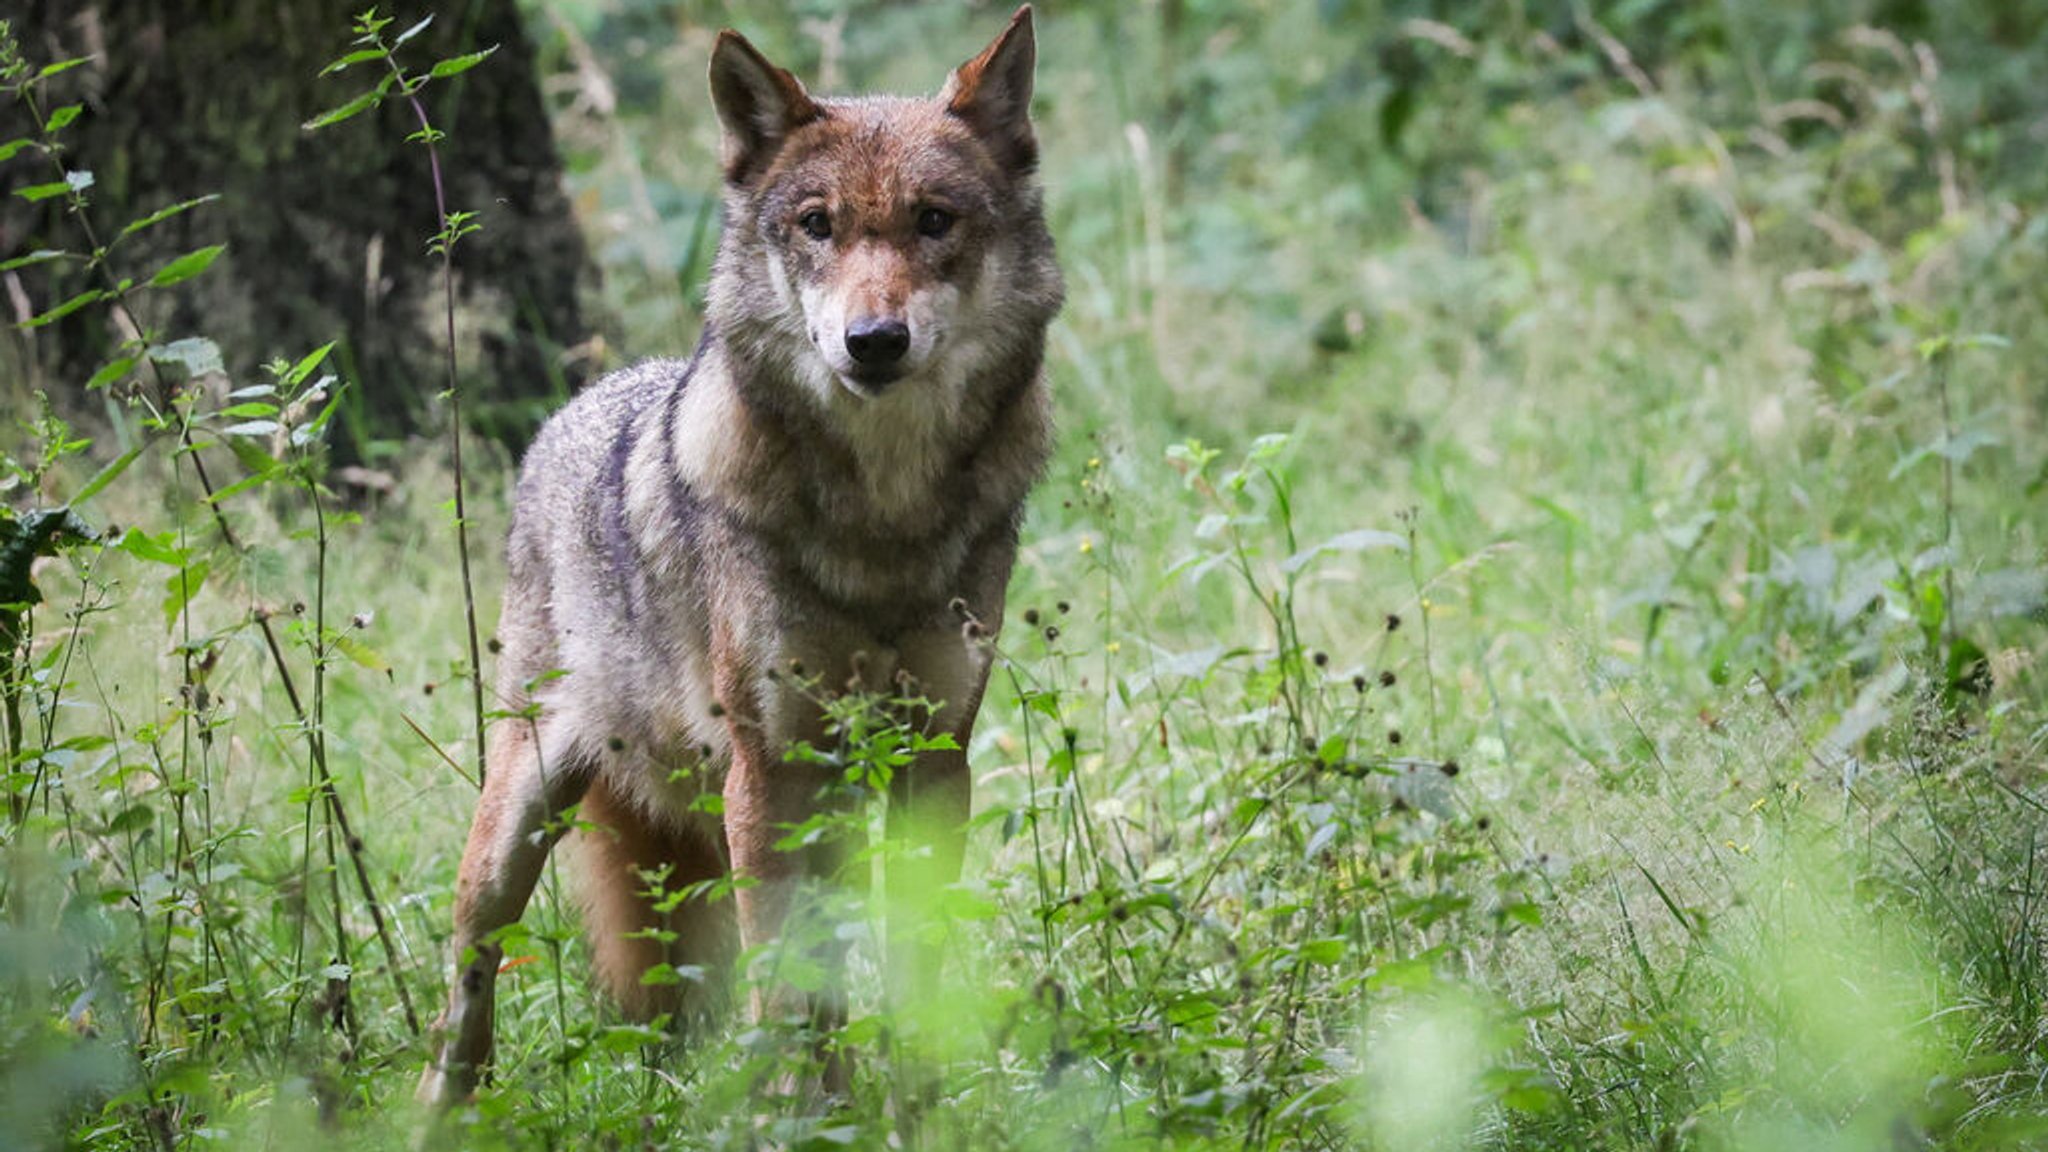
(187, 447)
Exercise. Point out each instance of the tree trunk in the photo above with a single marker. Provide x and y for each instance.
(326, 231)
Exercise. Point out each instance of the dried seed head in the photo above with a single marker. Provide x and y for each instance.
(1031, 617)
(958, 606)
(1394, 736)
(615, 744)
(1064, 607)
(365, 619)
(427, 689)
(1321, 659)
(1358, 683)
(973, 630)
(717, 710)
(1052, 633)
(1483, 823)
(1449, 768)
(495, 645)
(796, 667)
(1393, 622)
(1387, 678)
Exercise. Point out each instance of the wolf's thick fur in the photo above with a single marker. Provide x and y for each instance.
(835, 481)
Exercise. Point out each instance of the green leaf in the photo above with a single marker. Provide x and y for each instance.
(306, 364)
(247, 410)
(61, 117)
(107, 475)
(1358, 541)
(195, 356)
(64, 309)
(411, 32)
(159, 549)
(362, 654)
(356, 57)
(111, 372)
(50, 70)
(8, 149)
(187, 266)
(353, 108)
(180, 587)
(38, 192)
(163, 214)
(1325, 951)
(39, 256)
(457, 65)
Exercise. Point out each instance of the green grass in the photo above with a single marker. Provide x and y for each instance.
(1695, 441)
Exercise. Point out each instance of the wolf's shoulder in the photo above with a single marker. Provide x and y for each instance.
(584, 430)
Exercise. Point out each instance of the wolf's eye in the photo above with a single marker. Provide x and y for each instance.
(934, 222)
(815, 224)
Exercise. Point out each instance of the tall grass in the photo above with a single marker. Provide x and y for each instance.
(1532, 638)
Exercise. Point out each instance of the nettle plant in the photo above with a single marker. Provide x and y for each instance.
(174, 933)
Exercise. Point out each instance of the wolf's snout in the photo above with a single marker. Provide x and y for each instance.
(877, 344)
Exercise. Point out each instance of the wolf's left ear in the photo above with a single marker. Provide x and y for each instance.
(758, 104)
(992, 93)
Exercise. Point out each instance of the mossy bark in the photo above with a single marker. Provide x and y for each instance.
(327, 231)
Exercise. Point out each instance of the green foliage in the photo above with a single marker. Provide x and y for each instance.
(1608, 716)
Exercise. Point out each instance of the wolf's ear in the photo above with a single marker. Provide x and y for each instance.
(992, 93)
(758, 104)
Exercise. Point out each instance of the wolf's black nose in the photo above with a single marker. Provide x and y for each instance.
(877, 343)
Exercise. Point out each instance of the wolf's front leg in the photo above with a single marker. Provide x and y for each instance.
(929, 803)
(787, 894)
(531, 782)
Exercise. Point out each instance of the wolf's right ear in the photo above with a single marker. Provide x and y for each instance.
(758, 104)
(992, 92)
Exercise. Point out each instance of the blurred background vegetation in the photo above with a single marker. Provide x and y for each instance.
(1614, 431)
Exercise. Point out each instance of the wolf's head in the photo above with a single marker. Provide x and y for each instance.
(883, 252)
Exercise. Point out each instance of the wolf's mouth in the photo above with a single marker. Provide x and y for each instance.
(868, 383)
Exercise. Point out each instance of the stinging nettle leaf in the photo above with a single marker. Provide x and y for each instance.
(187, 266)
(356, 57)
(163, 214)
(195, 356)
(107, 475)
(457, 65)
(351, 109)
(411, 32)
(306, 364)
(110, 372)
(39, 256)
(61, 66)
(64, 309)
(38, 192)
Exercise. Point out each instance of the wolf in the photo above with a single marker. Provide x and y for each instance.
(828, 492)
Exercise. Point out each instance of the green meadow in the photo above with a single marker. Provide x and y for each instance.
(1533, 637)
